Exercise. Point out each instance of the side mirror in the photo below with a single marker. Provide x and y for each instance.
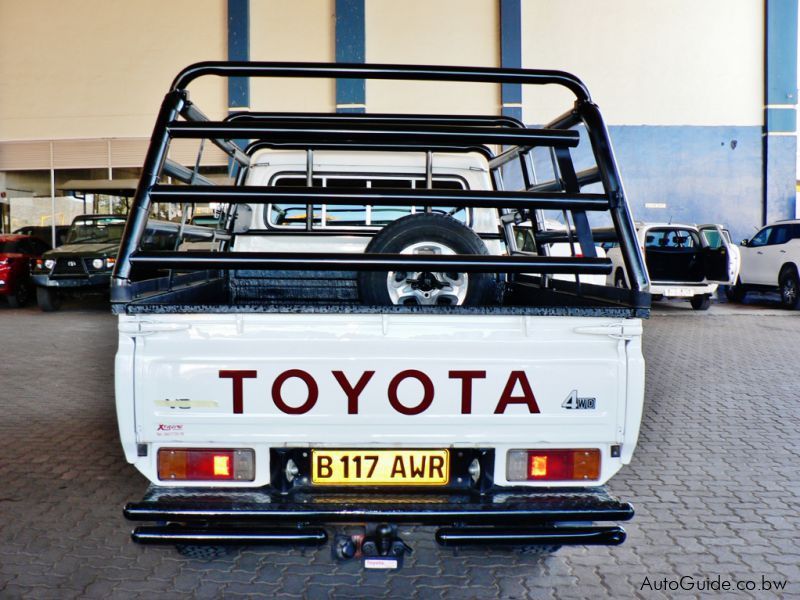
(744, 242)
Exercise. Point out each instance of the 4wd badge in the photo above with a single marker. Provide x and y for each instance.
(573, 402)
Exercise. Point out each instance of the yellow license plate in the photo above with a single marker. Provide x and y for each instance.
(380, 467)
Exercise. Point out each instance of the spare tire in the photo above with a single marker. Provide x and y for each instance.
(426, 234)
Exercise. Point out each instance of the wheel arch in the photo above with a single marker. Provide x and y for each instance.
(787, 267)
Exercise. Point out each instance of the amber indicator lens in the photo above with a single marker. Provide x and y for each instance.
(204, 464)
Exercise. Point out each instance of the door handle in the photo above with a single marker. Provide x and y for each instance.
(783, 251)
(759, 252)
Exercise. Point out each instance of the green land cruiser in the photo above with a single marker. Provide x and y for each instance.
(83, 264)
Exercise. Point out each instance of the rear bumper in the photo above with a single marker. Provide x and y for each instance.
(255, 516)
(682, 290)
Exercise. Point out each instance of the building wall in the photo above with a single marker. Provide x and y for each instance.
(301, 30)
(99, 68)
(650, 62)
(681, 83)
(445, 32)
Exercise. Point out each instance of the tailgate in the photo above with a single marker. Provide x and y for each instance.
(401, 380)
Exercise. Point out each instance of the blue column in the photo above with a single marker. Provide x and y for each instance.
(238, 50)
(350, 48)
(511, 54)
(780, 116)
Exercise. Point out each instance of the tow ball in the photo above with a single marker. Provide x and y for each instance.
(379, 547)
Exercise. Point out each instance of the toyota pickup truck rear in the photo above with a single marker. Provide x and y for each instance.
(382, 329)
(492, 408)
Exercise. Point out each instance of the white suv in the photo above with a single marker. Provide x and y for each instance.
(683, 261)
(770, 261)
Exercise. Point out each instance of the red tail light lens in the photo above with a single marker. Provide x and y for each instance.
(554, 465)
(204, 464)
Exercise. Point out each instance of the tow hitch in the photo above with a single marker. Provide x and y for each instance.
(380, 547)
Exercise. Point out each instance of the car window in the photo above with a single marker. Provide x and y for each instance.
(96, 231)
(525, 239)
(156, 239)
(654, 239)
(760, 239)
(779, 235)
(330, 216)
(671, 238)
(712, 237)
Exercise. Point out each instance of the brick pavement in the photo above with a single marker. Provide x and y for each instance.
(715, 480)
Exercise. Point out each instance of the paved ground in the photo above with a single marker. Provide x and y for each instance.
(715, 480)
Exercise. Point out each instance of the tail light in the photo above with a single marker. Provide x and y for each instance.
(206, 464)
(553, 465)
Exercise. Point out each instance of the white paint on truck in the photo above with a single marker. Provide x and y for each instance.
(519, 365)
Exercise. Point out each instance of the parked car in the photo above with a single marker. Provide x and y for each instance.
(18, 253)
(45, 233)
(85, 261)
(683, 261)
(770, 262)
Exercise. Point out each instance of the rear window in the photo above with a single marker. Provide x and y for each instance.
(671, 238)
(295, 215)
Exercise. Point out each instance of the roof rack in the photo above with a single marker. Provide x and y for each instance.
(180, 118)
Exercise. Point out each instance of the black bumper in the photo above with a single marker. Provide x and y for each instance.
(96, 280)
(255, 516)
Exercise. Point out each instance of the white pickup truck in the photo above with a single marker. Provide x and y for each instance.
(366, 345)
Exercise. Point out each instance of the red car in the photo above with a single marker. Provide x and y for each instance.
(17, 255)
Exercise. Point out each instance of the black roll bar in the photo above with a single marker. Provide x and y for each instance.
(191, 113)
(370, 133)
(326, 261)
(381, 71)
(259, 145)
(399, 132)
(380, 119)
(585, 177)
(343, 196)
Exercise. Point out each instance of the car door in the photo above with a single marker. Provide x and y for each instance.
(753, 258)
(775, 253)
(717, 255)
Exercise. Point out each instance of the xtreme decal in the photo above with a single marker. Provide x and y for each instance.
(517, 390)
